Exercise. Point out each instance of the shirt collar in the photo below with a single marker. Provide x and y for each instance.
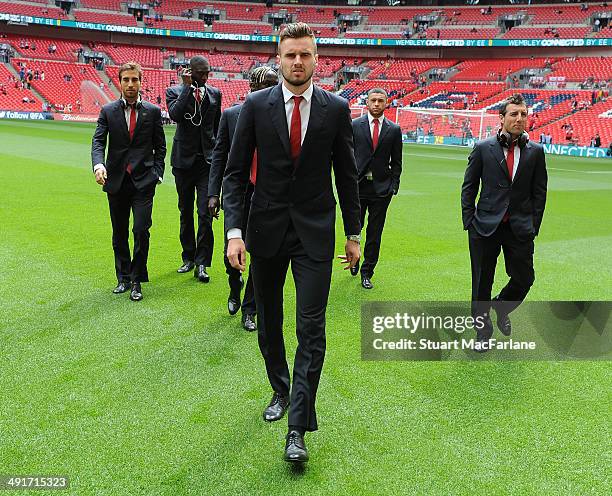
(372, 119)
(127, 105)
(287, 95)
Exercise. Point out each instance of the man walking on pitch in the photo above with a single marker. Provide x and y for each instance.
(511, 174)
(301, 133)
(196, 109)
(260, 78)
(133, 167)
(378, 152)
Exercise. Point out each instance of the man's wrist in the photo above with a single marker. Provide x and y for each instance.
(354, 237)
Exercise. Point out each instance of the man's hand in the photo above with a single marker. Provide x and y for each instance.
(213, 206)
(101, 176)
(186, 76)
(236, 254)
(352, 254)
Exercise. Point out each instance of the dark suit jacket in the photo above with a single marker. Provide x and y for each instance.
(302, 195)
(181, 102)
(524, 198)
(386, 161)
(145, 153)
(227, 126)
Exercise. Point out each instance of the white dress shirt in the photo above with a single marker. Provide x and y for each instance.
(305, 105)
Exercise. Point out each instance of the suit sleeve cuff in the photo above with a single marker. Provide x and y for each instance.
(98, 166)
(234, 233)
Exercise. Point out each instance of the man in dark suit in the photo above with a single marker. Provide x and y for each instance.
(261, 77)
(511, 173)
(378, 152)
(196, 109)
(301, 132)
(133, 167)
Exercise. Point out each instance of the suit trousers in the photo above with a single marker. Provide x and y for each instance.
(518, 258)
(131, 268)
(312, 281)
(377, 214)
(190, 182)
(234, 276)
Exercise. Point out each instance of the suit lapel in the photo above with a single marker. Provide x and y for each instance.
(383, 130)
(522, 160)
(498, 153)
(142, 113)
(206, 101)
(279, 117)
(318, 112)
(365, 129)
(120, 111)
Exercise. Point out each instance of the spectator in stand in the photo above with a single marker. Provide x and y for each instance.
(597, 141)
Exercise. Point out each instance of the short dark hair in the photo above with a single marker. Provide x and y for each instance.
(297, 30)
(516, 99)
(130, 66)
(378, 90)
(199, 60)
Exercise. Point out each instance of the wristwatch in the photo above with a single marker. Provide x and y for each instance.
(354, 237)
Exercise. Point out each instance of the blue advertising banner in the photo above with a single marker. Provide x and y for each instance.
(567, 150)
(23, 115)
(179, 33)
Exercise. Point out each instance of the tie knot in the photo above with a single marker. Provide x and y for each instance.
(297, 99)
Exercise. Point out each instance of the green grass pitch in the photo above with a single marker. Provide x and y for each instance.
(164, 397)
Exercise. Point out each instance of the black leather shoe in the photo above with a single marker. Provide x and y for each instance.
(295, 448)
(277, 408)
(136, 293)
(248, 322)
(201, 274)
(483, 336)
(355, 270)
(503, 320)
(186, 267)
(366, 283)
(233, 304)
(121, 287)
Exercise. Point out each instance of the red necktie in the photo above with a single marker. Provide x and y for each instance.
(198, 97)
(510, 165)
(295, 134)
(132, 127)
(375, 135)
(132, 121)
(253, 175)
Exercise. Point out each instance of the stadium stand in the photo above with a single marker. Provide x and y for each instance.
(494, 69)
(146, 56)
(235, 62)
(106, 18)
(546, 32)
(404, 68)
(111, 5)
(581, 68)
(44, 48)
(13, 96)
(483, 83)
(62, 84)
(31, 10)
